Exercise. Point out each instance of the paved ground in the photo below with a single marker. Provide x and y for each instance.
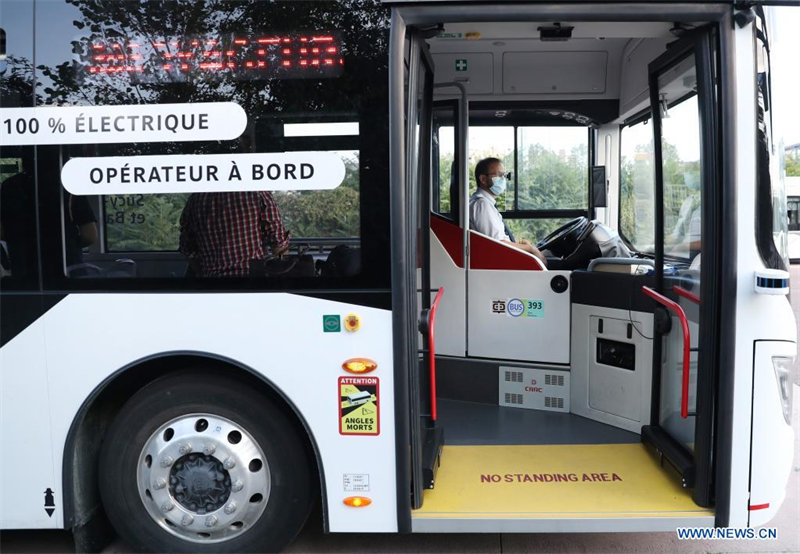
(787, 523)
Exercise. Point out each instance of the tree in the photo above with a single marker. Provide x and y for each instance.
(17, 89)
(330, 213)
(135, 222)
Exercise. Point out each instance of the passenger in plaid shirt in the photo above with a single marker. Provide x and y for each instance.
(221, 233)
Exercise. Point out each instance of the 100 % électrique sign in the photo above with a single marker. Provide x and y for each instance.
(130, 123)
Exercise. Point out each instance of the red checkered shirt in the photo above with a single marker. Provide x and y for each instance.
(224, 231)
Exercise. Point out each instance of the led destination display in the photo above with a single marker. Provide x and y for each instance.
(260, 56)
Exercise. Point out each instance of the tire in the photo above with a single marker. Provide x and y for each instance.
(195, 462)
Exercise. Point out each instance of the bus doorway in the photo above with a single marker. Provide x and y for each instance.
(543, 374)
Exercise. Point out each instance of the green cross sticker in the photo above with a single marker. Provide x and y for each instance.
(461, 64)
(331, 324)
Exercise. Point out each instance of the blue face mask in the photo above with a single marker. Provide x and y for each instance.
(498, 185)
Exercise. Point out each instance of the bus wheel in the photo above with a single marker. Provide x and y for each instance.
(199, 463)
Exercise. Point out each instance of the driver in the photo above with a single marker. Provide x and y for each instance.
(484, 217)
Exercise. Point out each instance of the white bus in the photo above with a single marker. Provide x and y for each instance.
(627, 386)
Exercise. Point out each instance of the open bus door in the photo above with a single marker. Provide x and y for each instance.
(425, 436)
(685, 127)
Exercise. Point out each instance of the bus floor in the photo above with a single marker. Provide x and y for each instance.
(517, 470)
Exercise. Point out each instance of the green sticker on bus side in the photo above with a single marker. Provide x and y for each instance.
(331, 323)
(534, 308)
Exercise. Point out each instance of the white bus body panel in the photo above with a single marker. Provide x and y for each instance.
(277, 335)
(27, 464)
(747, 255)
(542, 336)
(451, 316)
(759, 316)
(773, 440)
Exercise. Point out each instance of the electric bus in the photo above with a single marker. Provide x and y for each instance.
(398, 367)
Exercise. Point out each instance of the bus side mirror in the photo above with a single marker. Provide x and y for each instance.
(599, 199)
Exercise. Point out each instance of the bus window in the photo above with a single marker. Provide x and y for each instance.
(682, 180)
(18, 252)
(18, 255)
(150, 223)
(549, 167)
(682, 183)
(305, 83)
(637, 186)
(551, 175)
(444, 145)
(553, 162)
(772, 227)
(793, 211)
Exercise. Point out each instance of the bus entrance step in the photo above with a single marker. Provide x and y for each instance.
(431, 454)
(546, 488)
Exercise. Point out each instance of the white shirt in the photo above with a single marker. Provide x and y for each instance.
(688, 227)
(484, 216)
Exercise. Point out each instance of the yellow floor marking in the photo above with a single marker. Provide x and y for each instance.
(572, 481)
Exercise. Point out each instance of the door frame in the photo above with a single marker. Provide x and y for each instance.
(406, 170)
(697, 467)
(419, 122)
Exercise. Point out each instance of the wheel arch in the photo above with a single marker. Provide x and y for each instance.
(82, 507)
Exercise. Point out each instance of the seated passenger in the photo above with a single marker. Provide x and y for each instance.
(484, 216)
(222, 233)
(80, 228)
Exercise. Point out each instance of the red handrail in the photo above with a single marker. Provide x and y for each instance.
(432, 351)
(680, 291)
(675, 307)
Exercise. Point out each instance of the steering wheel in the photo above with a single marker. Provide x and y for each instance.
(563, 240)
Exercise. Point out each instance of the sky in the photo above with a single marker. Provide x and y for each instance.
(786, 74)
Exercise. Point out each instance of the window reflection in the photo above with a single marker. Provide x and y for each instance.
(308, 76)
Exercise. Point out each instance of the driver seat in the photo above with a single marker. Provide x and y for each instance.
(488, 253)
